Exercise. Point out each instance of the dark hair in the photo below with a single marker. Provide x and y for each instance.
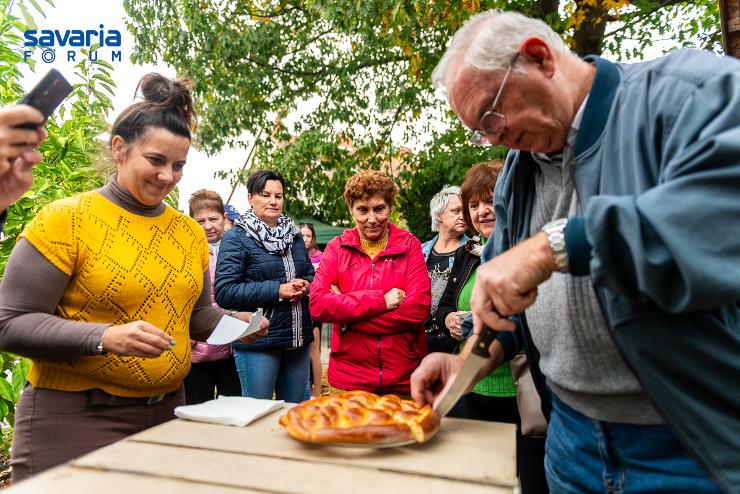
(479, 181)
(257, 181)
(205, 199)
(367, 183)
(313, 245)
(167, 105)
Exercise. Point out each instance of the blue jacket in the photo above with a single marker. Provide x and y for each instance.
(248, 277)
(657, 172)
(426, 247)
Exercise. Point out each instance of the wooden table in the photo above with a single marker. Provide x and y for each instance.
(182, 457)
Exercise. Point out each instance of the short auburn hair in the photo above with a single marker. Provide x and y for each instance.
(205, 199)
(367, 183)
(479, 181)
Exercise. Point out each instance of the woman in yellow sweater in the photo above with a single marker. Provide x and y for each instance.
(104, 291)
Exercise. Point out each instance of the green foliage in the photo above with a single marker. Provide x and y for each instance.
(444, 162)
(316, 167)
(364, 69)
(12, 381)
(682, 24)
(67, 167)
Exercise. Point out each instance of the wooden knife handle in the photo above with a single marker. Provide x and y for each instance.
(484, 341)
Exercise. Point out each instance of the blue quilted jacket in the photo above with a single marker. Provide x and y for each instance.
(248, 277)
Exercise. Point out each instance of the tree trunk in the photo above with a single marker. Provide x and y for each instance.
(544, 8)
(590, 32)
(729, 11)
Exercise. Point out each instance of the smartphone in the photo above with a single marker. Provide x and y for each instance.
(46, 95)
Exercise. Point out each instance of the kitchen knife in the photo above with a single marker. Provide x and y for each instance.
(477, 357)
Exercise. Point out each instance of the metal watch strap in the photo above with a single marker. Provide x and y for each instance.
(555, 231)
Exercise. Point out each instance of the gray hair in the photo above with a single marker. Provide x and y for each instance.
(488, 41)
(439, 203)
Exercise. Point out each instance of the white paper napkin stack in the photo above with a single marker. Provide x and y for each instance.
(238, 411)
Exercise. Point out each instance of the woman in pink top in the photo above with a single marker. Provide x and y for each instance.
(309, 239)
(213, 371)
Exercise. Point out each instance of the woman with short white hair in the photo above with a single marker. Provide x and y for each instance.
(445, 209)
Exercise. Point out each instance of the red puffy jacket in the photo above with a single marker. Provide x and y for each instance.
(372, 348)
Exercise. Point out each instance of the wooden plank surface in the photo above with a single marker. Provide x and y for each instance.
(266, 474)
(71, 480)
(468, 450)
(188, 457)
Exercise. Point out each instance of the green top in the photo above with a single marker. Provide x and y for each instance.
(499, 382)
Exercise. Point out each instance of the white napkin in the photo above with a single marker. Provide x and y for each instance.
(229, 410)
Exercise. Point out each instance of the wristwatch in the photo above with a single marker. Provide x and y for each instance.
(555, 231)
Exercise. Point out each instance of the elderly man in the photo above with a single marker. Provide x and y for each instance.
(617, 253)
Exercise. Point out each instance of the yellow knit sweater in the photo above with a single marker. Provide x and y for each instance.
(123, 267)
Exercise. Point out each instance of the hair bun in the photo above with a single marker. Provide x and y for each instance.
(168, 94)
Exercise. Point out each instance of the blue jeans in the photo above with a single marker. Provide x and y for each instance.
(284, 372)
(585, 455)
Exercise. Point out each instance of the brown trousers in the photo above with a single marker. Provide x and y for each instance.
(53, 427)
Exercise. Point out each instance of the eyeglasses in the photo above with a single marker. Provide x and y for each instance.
(492, 122)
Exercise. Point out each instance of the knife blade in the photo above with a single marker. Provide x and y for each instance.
(477, 357)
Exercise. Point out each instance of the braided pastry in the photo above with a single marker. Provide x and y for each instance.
(359, 417)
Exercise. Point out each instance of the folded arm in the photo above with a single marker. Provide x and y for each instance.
(340, 308)
(414, 310)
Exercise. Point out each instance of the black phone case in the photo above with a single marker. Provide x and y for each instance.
(46, 95)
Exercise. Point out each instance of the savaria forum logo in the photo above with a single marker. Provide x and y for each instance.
(55, 43)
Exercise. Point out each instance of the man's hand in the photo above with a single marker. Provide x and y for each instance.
(437, 371)
(507, 284)
(394, 297)
(251, 338)
(432, 375)
(136, 339)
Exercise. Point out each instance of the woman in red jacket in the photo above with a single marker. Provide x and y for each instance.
(372, 284)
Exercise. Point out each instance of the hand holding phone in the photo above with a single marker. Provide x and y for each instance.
(21, 133)
(46, 96)
(16, 142)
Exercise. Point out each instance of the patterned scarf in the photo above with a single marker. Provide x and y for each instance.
(278, 240)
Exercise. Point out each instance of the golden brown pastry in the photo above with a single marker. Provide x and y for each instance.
(360, 417)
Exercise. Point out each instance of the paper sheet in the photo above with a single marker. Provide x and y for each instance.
(230, 329)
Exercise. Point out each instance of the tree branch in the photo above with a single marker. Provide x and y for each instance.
(628, 19)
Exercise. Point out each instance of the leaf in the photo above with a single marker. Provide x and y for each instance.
(38, 8)
(6, 390)
(104, 78)
(18, 381)
(27, 17)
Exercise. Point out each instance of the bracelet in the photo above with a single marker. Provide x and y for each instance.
(99, 348)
